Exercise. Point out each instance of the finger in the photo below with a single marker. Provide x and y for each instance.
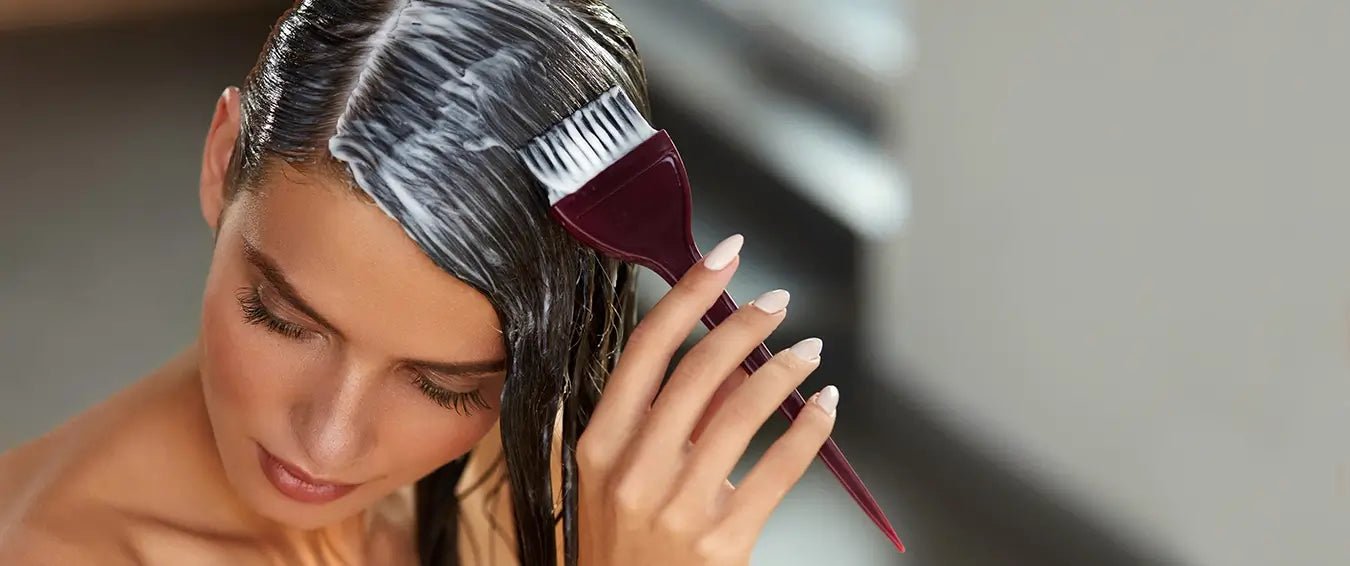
(633, 384)
(744, 412)
(719, 397)
(704, 368)
(783, 464)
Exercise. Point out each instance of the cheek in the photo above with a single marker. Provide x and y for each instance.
(427, 436)
(243, 369)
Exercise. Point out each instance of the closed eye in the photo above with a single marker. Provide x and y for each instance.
(464, 403)
(255, 312)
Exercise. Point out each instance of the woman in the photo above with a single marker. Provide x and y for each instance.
(401, 357)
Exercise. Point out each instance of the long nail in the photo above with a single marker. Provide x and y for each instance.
(722, 254)
(828, 399)
(808, 350)
(772, 301)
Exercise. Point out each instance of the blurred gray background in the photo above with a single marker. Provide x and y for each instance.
(1079, 266)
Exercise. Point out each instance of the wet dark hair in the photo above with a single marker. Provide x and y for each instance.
(420, 105)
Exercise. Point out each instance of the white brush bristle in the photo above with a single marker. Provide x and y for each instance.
(574, 151)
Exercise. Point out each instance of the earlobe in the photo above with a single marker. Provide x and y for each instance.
(216, 154)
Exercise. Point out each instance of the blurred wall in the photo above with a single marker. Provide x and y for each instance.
(102, 250)
(1126, 274)
(20, 14)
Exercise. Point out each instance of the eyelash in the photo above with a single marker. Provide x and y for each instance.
(462, 403)
(255, 312)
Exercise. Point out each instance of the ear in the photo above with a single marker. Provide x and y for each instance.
(216, 156)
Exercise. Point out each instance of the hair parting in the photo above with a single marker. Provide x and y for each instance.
(418, 105)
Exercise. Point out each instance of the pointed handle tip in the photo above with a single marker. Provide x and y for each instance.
(899, 546)
(890, 532)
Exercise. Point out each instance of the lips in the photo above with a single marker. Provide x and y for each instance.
(296, 484)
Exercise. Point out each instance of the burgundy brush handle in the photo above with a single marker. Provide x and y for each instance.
(638, 210)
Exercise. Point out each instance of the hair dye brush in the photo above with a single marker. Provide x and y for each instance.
(618, 186)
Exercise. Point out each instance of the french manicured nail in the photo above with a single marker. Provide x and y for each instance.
(772, 301)
(808, 349)
(722, 254)
(828, 399)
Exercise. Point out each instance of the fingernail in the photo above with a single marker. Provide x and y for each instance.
(828, 399)
(808, 349)
(722, 254)
(772, 301)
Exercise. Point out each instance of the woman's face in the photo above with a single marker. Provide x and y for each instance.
(338, 362)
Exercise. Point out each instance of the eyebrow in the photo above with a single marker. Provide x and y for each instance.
(277, 279)
(273, 274)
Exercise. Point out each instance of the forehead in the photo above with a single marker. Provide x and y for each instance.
(355, 265)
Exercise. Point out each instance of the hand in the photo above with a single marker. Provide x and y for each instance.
(650, 496)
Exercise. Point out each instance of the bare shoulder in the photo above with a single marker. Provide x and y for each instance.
(35, 544)
(116, 484)
(47, 513)
(38, 528)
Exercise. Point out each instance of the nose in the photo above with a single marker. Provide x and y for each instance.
(332, 425)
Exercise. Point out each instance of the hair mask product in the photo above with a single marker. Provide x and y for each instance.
(421, 103)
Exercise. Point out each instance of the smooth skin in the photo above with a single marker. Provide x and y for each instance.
(166, 471)
(650, 495)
